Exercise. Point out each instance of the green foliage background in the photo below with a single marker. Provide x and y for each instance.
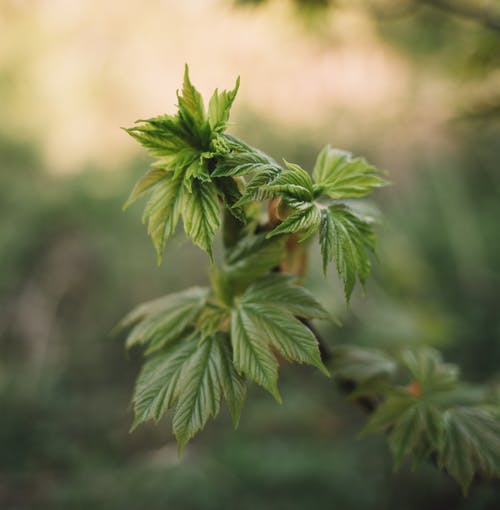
(73, 264)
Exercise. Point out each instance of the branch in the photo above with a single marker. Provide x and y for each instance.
(484, 16)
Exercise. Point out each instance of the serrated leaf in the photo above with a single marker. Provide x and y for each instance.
(230, 192)
(281, 291)
(251, 353)
(233, 384)
(471, 444)
(256, 187)
(292, 183)
(244, 160)
(162, 320)
(284, 332)
(157, 386)
(348, 239)
(163, 209)
(192, 111)
(306, 220)
(219, 107)
(152, 177)
(201, 214)
(165, 138)
(199, 391)
(338, 175)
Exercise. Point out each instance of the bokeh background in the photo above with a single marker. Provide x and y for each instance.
(413, 85)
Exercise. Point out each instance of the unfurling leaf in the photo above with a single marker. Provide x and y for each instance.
(201, 214)
(163, 210)
(348, 239)
(219, 107)
(338, 175)
(188, 146)
(306, 220)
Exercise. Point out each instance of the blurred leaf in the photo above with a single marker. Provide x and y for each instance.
(428, 369)
(471, 444)
(361, 364)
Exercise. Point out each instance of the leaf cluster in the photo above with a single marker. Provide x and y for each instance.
(203, 345)
(180, 183)
(427, 413)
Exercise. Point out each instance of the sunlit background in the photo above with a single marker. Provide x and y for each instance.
(413, 85)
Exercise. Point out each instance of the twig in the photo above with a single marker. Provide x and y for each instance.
(485, 17)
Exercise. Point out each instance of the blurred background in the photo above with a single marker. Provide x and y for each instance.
(414, 85)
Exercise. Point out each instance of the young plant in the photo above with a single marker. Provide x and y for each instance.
(204, 345)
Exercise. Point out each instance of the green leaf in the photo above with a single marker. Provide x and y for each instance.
(157, 386)
(471, 444)
(152, 177)
(256, 187)
(289, 336)
(293, 183)
(230, 192)
(212, 319)
(199, 391)
(348, 239)
(220, 106)
(388, 412)
(251, 353)
(280, 291)
(163, 210)
(337, 175)
(163, 320)
(427, 368)
(192, 111)
(244, 161)
(201, 214)
(361, 364)
(233, 384)
(306, 220)
(167, 139)
(253, 256)
(418, 431)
